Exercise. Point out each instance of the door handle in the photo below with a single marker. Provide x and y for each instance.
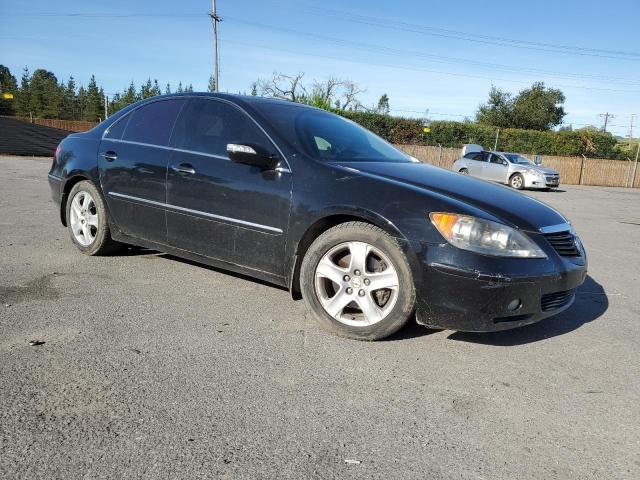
(110, 156)
(183, 168)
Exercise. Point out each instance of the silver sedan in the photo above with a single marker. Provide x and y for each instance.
(508, 168)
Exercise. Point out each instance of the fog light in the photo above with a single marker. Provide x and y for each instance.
(514, 305)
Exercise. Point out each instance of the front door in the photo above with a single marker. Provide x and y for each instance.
(495, 168)
(218, 208)
(132, 161)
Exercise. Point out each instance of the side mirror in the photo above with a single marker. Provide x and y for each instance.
(538, 160)
(252, 155)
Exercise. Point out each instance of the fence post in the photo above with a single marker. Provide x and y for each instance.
(439, 155)
(581, 169)
(635, 168)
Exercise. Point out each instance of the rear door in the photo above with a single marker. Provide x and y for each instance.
(133, 158)
(218, 208)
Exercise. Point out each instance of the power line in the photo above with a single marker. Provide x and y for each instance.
(383, 22)
(415, 68)
(436, 58)
(476, 38)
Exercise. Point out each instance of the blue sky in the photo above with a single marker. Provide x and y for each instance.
(417, 57)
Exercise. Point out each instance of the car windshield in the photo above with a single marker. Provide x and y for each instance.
(326, 136)
(518, 159)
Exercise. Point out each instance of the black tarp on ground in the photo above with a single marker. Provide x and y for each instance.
(22, 138)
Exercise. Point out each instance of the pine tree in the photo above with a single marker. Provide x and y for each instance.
(180, 90)
(81, 102)
(8, 84)
(189, 89)
(94, 108)
(167, 89)
(146, 89)
(68, 109)
(130, 96)
(156, 89)
(24, 94)
(45, 95)
(212, 84)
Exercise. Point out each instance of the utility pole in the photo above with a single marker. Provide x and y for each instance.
(606, 117)
(633, 117)
(214, 23)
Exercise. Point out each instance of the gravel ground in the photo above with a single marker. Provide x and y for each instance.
(154, 367)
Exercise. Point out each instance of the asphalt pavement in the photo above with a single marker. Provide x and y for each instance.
(143, 365)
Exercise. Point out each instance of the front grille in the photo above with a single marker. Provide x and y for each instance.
(553, 301)
(564, 243)
(552, 178)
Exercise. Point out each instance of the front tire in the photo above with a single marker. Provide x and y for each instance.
(517, 181)
(464, 171)
(87, 220)
(357, 282)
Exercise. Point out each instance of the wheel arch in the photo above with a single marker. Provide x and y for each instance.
(321, 225)
(68, 185)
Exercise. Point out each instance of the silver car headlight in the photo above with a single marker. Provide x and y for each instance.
(484, 236)
(534, 172)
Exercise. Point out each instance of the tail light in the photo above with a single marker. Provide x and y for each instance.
(55, 155)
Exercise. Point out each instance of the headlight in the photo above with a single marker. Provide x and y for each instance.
(533, 171)
(485, 237)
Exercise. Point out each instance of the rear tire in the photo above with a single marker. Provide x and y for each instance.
(359, 273)
(517, 181)
(87, 220)
(464, 171)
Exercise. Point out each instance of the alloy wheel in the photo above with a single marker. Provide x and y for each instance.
(516, 181)
(356, 283)
(83, 218)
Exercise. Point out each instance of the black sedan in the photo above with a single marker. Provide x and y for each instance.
(306, 199)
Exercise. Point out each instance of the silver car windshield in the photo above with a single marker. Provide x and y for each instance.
(518, 159)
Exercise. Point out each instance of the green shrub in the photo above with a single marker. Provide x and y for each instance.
(589, 142)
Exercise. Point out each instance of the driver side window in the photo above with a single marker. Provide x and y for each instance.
(207, 126)
(496, 159)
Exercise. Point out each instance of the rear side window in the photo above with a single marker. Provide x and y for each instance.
(153, 123)
(115, 131)
(474, 156)
(207, 126)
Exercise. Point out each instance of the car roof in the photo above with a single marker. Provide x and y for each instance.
(252, 100)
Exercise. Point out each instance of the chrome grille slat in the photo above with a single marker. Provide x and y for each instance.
(564, 243)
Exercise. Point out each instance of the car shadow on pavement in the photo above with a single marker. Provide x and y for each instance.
(591, 303)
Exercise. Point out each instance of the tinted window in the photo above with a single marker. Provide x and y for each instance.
(325, 136)
(474, 156)
(152, 123)
(116, 129)
(207, 126)
(495, 158)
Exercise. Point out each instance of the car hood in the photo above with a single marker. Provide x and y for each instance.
(538, 168)
(501, 202)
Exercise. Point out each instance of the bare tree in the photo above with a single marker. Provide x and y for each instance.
(350, 94)
(326, 91)
(286, 87)
(324, 94)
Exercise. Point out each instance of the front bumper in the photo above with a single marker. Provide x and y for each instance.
(545, 181)
(453, 293)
